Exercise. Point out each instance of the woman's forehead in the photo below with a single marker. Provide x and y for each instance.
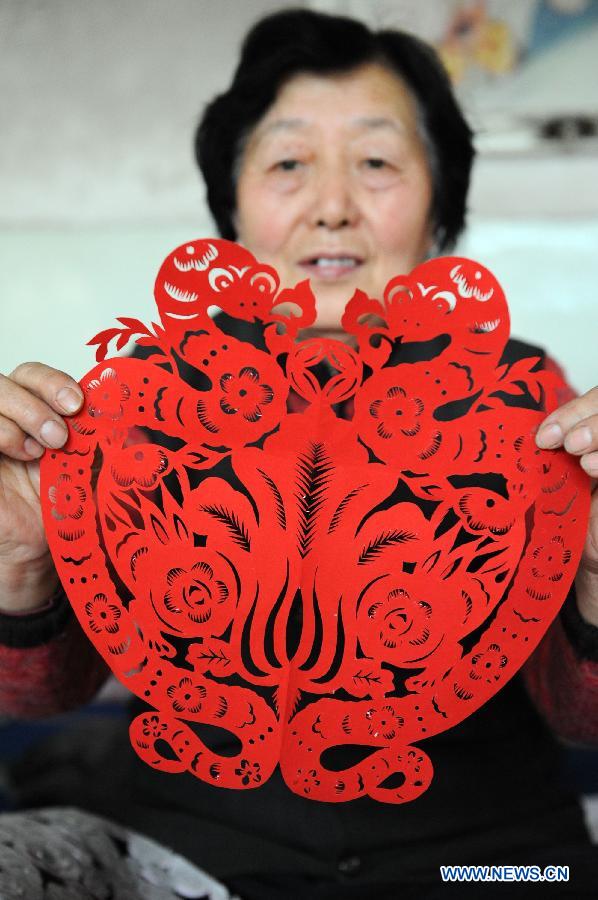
(296, 125)
(368, 99)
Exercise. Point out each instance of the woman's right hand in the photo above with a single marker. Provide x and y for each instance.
(33, 401)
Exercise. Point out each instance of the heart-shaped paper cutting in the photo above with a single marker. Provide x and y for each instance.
(307, 545)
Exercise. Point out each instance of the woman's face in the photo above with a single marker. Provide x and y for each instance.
(334, 186)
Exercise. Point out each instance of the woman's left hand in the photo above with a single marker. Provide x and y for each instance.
(575, 426)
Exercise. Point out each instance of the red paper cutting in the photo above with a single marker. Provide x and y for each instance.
(307, 545)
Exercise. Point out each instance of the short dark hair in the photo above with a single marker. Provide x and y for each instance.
(295, 41)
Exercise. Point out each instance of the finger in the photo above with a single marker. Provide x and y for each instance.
(15, 443)
(56, 388)
(32, 417)
(589, 464)
(583, 437)
(558, 424)
(34, 476)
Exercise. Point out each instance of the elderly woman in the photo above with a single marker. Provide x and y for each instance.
(337, 154)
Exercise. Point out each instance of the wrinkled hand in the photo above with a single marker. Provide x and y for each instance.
(574, 426)
(33, 400)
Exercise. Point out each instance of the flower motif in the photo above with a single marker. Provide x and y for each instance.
(186, 696)
(194, 592)
(189, 599)
(397, 413)
(412, 760)
(244, 394)
(488, 664)
(242, 402)
(484, 510)
(152, 727)
(68, 498)
(249, 772)
(384, 722)
(547, 465)
(398, 423)
(307, 779)
(550, 559)
(106, 395)
(399, 627)
(141, 464)
(103, 615)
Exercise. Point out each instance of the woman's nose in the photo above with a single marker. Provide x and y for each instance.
(333, 206)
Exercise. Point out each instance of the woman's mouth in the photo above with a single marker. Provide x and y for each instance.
(331, 268)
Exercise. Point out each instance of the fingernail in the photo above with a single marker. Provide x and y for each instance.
(550, 435)
(53, 433)
(578, 440)
(69, 399)
(590, 464)
(32, 448)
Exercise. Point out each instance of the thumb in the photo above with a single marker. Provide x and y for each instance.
(33, 475)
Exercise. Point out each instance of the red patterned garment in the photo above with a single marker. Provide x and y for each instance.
(47, 665)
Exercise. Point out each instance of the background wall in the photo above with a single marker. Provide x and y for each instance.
(97, 183)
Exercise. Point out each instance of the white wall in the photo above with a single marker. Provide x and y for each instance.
(97, 183)
(549, 272)
(98, 104)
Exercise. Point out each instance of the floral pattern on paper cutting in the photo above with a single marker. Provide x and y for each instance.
(310, 545)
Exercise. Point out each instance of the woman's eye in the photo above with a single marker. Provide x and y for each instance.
(287, 165)
(378, 171)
